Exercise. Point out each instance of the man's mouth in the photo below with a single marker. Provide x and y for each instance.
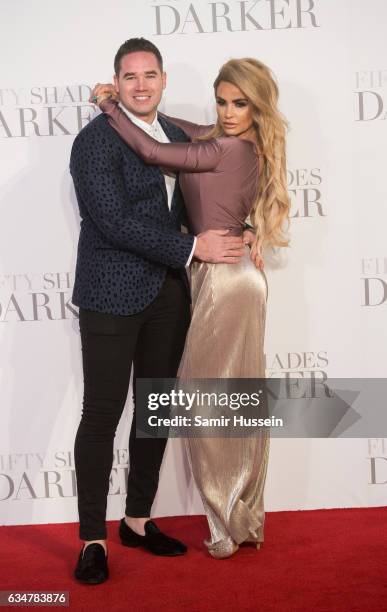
(141, 98)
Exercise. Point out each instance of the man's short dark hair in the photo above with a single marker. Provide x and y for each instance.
(133, 45)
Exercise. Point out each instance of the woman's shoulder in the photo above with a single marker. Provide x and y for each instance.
(240, 146)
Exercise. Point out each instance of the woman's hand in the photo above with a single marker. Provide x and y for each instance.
(255, 254)
(102, 91)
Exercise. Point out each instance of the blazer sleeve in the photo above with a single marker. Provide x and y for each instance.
(189, 156)
(193, 130)
(99, 185)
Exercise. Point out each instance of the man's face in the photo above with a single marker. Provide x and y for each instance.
(140, 84)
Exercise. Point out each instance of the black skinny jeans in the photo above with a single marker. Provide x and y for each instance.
(153, 340)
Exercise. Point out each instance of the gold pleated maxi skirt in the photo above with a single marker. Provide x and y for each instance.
(225, 340)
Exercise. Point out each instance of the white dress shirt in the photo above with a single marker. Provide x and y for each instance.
(155, 130)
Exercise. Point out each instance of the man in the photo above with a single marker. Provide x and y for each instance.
(132, 293)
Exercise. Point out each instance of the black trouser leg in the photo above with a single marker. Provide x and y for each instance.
(108, 344)
(158, 353)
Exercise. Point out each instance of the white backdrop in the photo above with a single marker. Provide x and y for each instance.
(328, 292)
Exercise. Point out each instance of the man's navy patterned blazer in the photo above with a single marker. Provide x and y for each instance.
(128, 236)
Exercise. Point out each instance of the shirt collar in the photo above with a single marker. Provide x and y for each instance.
(147, 127)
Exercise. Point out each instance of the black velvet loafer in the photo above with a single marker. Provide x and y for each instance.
(154, 540)
(92, 567)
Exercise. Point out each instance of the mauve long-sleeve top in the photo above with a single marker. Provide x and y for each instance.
(218, 177)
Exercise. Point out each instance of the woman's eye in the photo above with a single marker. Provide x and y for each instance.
(220, 102)
(240, 104)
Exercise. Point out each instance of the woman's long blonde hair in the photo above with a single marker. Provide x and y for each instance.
(271, 207)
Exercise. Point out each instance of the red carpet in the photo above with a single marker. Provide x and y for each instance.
(319, 560)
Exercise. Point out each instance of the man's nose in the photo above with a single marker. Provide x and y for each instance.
(140, 84)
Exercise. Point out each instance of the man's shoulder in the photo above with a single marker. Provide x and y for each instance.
(97, 141)
(97, 128)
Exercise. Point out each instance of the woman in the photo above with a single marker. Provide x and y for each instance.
(229, 171)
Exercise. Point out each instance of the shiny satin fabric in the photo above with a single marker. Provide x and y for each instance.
(225, 340)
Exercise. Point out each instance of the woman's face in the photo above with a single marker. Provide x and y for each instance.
(234, 110)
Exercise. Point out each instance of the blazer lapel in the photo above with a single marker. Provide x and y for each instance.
(174, 133)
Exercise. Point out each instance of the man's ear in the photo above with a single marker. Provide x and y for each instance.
(164, 80)
(115, 81)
